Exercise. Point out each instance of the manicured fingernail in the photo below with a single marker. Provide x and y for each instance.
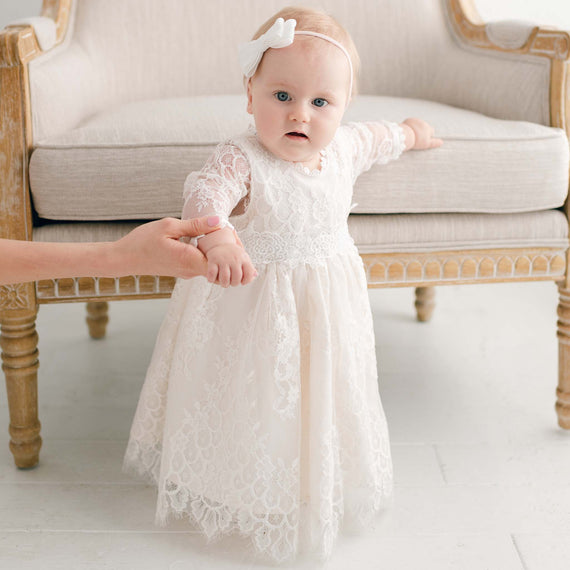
(213, 221)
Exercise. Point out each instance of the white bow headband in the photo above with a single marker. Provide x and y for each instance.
(280, 35)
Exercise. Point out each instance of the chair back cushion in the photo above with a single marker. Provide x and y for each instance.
(120, 51)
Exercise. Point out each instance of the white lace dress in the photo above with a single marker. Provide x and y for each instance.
(260, 412)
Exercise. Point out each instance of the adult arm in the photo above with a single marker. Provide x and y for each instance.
(153, 248)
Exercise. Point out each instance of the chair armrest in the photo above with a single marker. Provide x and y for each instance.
(44, 29)
(48, 30)
(522, 43)
(19, 46)
(510, 36)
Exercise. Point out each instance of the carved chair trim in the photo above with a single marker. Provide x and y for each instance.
(382, 270)
(451, 267)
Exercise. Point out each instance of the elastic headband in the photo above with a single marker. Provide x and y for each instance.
(281, 34)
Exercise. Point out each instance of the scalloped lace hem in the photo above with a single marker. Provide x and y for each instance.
(270, 538)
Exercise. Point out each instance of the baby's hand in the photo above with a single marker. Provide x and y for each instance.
(229, 264)
(422, 133)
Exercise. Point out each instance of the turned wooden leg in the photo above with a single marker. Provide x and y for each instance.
(425, 303)
(563, 390)
(97, 319)
(19, 342)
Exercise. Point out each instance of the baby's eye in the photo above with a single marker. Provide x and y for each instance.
(282, 96)
(318, 102)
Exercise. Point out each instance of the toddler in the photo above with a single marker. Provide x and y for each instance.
(260, 413)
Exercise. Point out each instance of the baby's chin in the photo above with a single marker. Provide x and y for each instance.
(292, 151)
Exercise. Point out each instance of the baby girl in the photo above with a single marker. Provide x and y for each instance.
(260, 414)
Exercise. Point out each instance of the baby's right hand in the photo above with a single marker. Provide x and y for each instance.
(229, 264)
(423, 132)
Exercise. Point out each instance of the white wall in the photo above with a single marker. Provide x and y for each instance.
(11, 10)
(548, 12)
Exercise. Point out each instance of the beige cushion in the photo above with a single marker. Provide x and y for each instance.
(131, 162)
(442, 232)
(390, 233)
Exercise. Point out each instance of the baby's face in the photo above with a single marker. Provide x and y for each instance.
(298, 97)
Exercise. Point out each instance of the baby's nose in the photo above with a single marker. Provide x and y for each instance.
(300, 113)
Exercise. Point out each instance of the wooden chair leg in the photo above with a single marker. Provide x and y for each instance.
(97, 319)
(563, 390)
(19, 342)
(425, 303)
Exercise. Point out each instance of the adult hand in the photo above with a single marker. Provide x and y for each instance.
(154, 248)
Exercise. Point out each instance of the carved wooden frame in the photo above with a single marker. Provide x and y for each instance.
(19, 303)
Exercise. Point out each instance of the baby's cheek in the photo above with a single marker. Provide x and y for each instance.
(265, 122)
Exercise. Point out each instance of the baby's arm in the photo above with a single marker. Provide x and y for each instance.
(216, 189)
(380, 142)
(419, 135)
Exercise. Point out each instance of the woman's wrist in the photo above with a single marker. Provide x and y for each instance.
(113, 259)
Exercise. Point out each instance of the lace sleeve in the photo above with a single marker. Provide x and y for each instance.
(219, 186)
(374, 143)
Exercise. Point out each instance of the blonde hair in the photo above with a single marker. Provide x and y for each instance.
(315, 21)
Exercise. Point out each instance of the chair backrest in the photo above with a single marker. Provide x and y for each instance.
(188, 47)
(118, 51)
(122, 50)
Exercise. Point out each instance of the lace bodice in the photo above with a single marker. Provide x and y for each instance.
(282, 211)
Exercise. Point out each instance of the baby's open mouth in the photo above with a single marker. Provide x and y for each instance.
(297, 135)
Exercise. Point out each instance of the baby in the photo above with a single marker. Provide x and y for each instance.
(260, 413)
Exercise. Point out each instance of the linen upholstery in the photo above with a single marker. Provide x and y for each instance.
(119, 52)
(443, 232)
(390, 233)
(131, 161)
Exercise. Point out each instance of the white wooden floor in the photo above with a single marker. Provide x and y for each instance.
(482, 470)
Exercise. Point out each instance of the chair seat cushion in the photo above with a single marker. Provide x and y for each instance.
(388, 233)
(131, 162)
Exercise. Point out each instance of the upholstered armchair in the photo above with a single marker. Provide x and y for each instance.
(107, 105)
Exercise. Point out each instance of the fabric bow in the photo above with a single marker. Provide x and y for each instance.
(280, 35)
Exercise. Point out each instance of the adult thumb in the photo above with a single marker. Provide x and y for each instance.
(199, 226)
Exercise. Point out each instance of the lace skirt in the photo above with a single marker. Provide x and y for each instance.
(260, 413)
